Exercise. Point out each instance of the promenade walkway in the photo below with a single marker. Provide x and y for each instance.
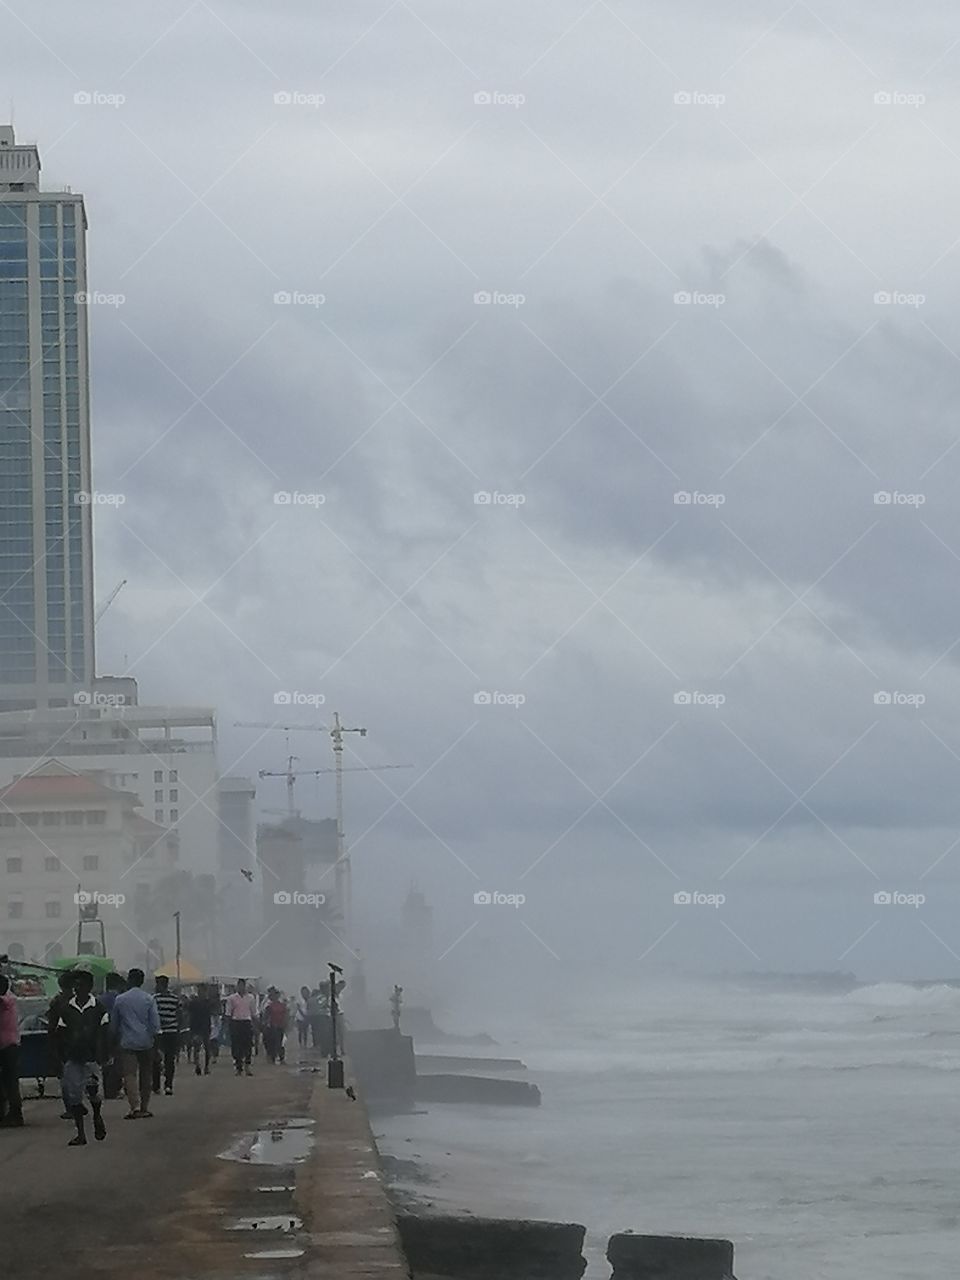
(265, 1177)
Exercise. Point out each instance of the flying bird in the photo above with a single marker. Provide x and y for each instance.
(248, 874)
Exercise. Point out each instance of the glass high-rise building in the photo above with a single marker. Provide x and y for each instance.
(46, 554)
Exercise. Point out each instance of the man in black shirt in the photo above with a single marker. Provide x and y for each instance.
(200, 1011)
(57, 1005)
(81, 1034)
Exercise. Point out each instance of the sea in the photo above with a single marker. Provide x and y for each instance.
(819, 1129)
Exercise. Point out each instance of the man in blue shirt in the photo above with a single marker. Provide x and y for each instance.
(135, 1025)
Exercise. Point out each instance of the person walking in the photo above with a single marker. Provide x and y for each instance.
(242, 1012)
(200, 1014)
(135, 1025)
(274, 1025)
(168, 1044)
(302, 1018)
(82, 1030)
(315, 1017)
(112, 1073)
(11, 1108)
(56, 1007)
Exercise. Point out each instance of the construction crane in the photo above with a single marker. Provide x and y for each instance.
(336, 731)
(109, 600)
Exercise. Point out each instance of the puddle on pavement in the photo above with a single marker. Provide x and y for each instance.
(289, 1143)
(276, 1190)
(276, 1253)
(270, 1222)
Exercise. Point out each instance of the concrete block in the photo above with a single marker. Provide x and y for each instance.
(636, 1257)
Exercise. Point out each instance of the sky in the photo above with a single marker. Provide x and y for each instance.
(606, 355)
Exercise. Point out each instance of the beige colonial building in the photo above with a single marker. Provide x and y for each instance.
(70, 845)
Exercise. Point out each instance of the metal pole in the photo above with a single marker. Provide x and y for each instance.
(176, 916)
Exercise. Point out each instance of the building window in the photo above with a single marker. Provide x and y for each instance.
(8, 819)
(174, 815)
(14, 910)
(174, 775)
(96, 817)
(158, 797)
(14, 865)
(158, 815)
(74, 818)
(30, 819)
(51, 864)
(52, 819)
(91, 862)
(158, 775)
(174, 795)
(53, 910)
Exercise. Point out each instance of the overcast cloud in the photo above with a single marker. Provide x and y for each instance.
(782, 198)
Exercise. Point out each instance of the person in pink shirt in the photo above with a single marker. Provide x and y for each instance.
(11, 1109)
(242, 1013)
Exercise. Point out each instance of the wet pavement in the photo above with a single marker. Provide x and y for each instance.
(267, 1177)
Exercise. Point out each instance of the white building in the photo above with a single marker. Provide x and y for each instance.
(165, 756)
(69, 843)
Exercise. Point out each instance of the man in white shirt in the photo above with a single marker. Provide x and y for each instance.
(242, 1013)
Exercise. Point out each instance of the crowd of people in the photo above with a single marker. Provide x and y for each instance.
(129, 1040)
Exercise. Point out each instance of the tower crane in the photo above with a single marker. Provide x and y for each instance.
(109, 600)
(336, 731)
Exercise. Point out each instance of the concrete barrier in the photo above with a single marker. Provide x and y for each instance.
(669, 1258)
(384, 1065)
(450, 1248)
(486, 1089)
(430, 1063)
